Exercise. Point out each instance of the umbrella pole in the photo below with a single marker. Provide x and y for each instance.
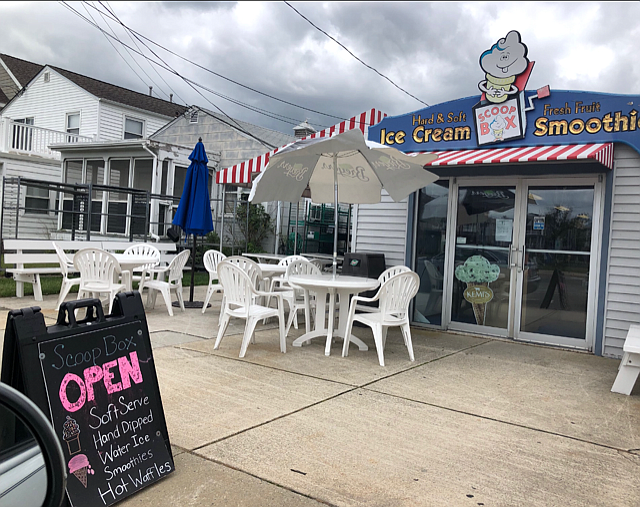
(335, 214)
(193, 270)
(295, 240)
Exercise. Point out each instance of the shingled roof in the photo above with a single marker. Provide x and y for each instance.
(25, 71)
(22, 70)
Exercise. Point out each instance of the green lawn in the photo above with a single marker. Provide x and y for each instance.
(51, 284)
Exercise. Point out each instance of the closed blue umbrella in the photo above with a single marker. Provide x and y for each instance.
(193, 215)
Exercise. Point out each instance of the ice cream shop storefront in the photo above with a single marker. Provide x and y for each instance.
(532, 231)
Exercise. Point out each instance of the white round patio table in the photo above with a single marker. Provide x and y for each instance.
(269, 270)
(342, 285)
(130, 262)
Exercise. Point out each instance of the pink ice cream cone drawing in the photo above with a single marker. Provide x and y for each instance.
(478, 273)
(71, 435)
(80, 467)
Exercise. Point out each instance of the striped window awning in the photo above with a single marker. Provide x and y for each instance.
(242, 173)
(601, 152)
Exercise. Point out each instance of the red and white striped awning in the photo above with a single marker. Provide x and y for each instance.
(601, 152)
(242, 173)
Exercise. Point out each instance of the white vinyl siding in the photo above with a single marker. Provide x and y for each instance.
(622, 306)
(49, 103)
(112, 119)
(382, 228)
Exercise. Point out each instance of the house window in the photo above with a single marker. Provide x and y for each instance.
(165, 177)
(73, 127)
(36, 201)
(179, 176)
(230, 198)
(27, 121)
(72, 204)
(118, 201)
(73, 123)
(95, 176)
(22, 135)
(194, 117)
(133, 129)
(47, 77)
(140, 207)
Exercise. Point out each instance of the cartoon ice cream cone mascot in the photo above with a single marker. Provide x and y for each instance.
(506, 59)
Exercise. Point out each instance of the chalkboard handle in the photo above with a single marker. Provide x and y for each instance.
(70, 307)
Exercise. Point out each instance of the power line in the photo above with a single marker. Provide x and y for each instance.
(193, 87)
(269, 114)
(229, 79)
(188, 81)
(116, 50)
(275, 116)
(111, 10)
(348, 51)
(251, 108)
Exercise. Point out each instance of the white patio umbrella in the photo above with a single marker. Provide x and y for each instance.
(341, 169)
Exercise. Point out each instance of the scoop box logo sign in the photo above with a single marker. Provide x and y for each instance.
(500, 114)
(500, 122)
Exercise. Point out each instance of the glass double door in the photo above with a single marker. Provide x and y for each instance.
(522, 257)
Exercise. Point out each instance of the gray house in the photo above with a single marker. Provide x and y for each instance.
(233, 141)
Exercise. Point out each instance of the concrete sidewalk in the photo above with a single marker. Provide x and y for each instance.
(473, 421)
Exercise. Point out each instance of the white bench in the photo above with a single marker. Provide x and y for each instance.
(629, 368)
(24, 254)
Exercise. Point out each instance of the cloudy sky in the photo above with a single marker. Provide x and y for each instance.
(416, 53)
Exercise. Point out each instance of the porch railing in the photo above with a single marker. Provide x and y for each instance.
(33, 208)
(31, 140)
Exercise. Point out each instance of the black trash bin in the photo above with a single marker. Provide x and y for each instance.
(366, 265)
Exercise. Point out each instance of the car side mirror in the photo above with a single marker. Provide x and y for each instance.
(32, 467)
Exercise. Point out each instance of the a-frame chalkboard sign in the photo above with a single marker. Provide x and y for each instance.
(97, 381)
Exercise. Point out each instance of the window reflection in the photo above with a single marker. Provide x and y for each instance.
(430, 247)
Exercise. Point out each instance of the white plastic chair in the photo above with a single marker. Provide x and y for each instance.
(172, 283)
(66, 266)
(211, 259)
(281, 280)
(145, 275)
(384, 276)
(252, 268)
(98, 271)
(300, 299)
(249, 266)
(240, 296)
(394, 295)
(317, 263)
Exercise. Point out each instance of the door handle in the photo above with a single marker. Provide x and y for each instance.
(513, 251)
(521, 266)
